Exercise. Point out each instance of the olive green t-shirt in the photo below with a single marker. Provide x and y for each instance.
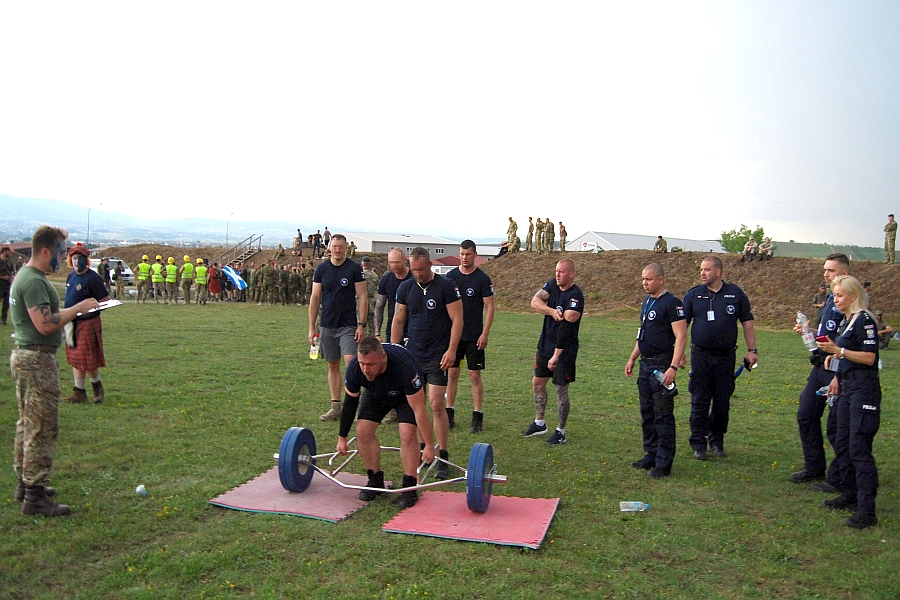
(31, 288)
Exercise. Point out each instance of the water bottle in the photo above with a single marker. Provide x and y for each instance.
(314, 348)
(808, 335)
(660, 377)
(633, 506)
(141, 490)
(829, 398)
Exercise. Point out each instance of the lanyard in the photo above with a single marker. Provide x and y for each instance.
(647, 309)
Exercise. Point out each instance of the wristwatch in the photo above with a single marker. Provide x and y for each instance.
(358, 324)
(753, 350)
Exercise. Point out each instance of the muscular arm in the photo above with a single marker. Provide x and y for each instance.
(750, 338)
(417, 403)
(629, 366)
(398, 324)
(488, 321)
(456, 316)
(315, 300)
(540, 306)
(362, 308)
(380, 300)
(47, 322)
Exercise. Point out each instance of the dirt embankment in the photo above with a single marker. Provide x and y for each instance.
(611, 281)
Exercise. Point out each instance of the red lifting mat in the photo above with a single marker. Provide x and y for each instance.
(323, 499)
(508, 521)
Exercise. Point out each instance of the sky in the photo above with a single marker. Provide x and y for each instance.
(683, 119)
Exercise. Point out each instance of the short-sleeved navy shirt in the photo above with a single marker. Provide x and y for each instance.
(729, 305)
(831, 319)
(571, 299)
(82, 287)
(860, 334)
(387, 287)
(655, 337)
(427, 320)
(338, 292)
(402, 377)
(473, 288)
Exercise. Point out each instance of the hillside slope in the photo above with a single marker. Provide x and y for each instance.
(611, 281)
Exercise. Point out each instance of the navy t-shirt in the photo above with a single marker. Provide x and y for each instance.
(571, 299)
(82, 287)
(387, 287)
(655, 336)
(729, 305)
(473, 288)
(427, 320)
(402, 377)
(338, 292)
(860, 334)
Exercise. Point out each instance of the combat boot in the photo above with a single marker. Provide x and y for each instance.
(37, 502)
(19, 496)
(451, 417)
(477, 422)
(334, 414)
(78, 396)
(98, 391)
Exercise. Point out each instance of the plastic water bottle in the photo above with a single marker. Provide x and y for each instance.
(633, 506)
(141, 490)
(880, 364)
(314, 348)
(660, 377)
(808, 335)
(829, 398)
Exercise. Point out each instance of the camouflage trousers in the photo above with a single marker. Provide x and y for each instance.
(172, 291)
(370, 320)
(528, 245)
(143, 289)
(889, 253)
(202, 292)
(120, 290)
(548, 242)
(159, 291)
(186, 288)
(37, 392)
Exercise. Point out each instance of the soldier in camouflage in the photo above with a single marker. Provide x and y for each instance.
(7, 274)
(371, 290)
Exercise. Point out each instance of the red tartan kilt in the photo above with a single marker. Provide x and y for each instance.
(87, 355)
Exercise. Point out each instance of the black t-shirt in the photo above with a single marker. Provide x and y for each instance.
(729, 305)
(387, 286)
(402, 377)
(860, 334)
(655, 337)
(427, 319)
(571, 299)
(338, 292)
(473, 288)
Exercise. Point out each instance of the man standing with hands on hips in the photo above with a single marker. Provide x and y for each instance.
(714, 309)
(661, 340)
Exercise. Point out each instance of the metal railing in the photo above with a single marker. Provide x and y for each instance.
(240, 251)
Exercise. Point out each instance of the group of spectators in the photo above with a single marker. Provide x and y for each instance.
(541, 237)
(318, 242)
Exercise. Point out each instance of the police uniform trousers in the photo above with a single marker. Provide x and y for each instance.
(809, 420)
(711, 386)
(856, 428)
(657, 415)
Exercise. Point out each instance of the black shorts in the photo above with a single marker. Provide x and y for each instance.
(376, 409)
(563, 374)
(474, 357)
(433, 373)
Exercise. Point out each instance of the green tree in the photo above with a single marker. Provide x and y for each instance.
(734, 240)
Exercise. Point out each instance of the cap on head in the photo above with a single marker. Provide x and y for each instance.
(79, 249)
(879, 312)
(366, 259)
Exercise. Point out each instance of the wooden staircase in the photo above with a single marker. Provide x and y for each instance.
(240, 251)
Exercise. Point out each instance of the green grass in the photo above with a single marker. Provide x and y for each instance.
(199, 397)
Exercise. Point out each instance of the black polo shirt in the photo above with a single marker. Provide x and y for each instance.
(655, 336)
(714, 315)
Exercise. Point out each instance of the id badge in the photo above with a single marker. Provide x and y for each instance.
(710, 315)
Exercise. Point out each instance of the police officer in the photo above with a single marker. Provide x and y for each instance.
(714, 309)
(812, 405)
(661, 340)
(854, 356)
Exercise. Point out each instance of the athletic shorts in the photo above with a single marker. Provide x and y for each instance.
(474, 357)
(337, 342)
(433, 373)
(563, 374)
(376, 409)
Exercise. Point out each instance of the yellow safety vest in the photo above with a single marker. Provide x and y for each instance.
(187, 274)
(200, 278)
(156, 276)
(143, 271)
(171, 273)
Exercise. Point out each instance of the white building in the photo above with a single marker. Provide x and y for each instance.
(592, 241)
(383, 242)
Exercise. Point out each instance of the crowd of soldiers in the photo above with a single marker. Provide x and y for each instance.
(541, 236)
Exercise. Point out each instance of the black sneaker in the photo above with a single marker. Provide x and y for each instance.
(804, 475)
(645, 463)
(451, 416)
(824, 486)
(840, 503)
(477, 422)
(657, 473)
(719, 451)
(557, 438)
(442, 470)
(861, 520)
(700, 455)
(535, 429)
(376, 480)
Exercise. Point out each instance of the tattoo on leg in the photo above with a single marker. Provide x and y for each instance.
(540, 402)
(562, 404)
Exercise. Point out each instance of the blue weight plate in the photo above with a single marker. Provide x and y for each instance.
(295, 477)
(478, 487)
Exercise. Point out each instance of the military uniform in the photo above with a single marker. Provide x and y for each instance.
(158, 280)
(511, 230)
(549, 235)
(267, 291)
(171, 283)
(516, 245)
(187, 280)
(562, 237)
(308, 273)
(7, 269)
(200, 272)
(371, 290)
(539, 236)
(143, 280)
(661, 246)
(890, 236)
(119, 278)
(529, 235)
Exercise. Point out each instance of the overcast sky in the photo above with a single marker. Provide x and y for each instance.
(674, 118)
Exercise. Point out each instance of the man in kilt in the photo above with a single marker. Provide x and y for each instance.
(85, 355)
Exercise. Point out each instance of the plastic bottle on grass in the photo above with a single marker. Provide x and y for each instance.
(808, 335)
(633, 506)
(314, 348)
(660, 377)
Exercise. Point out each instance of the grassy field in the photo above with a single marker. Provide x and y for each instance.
(198, 399)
